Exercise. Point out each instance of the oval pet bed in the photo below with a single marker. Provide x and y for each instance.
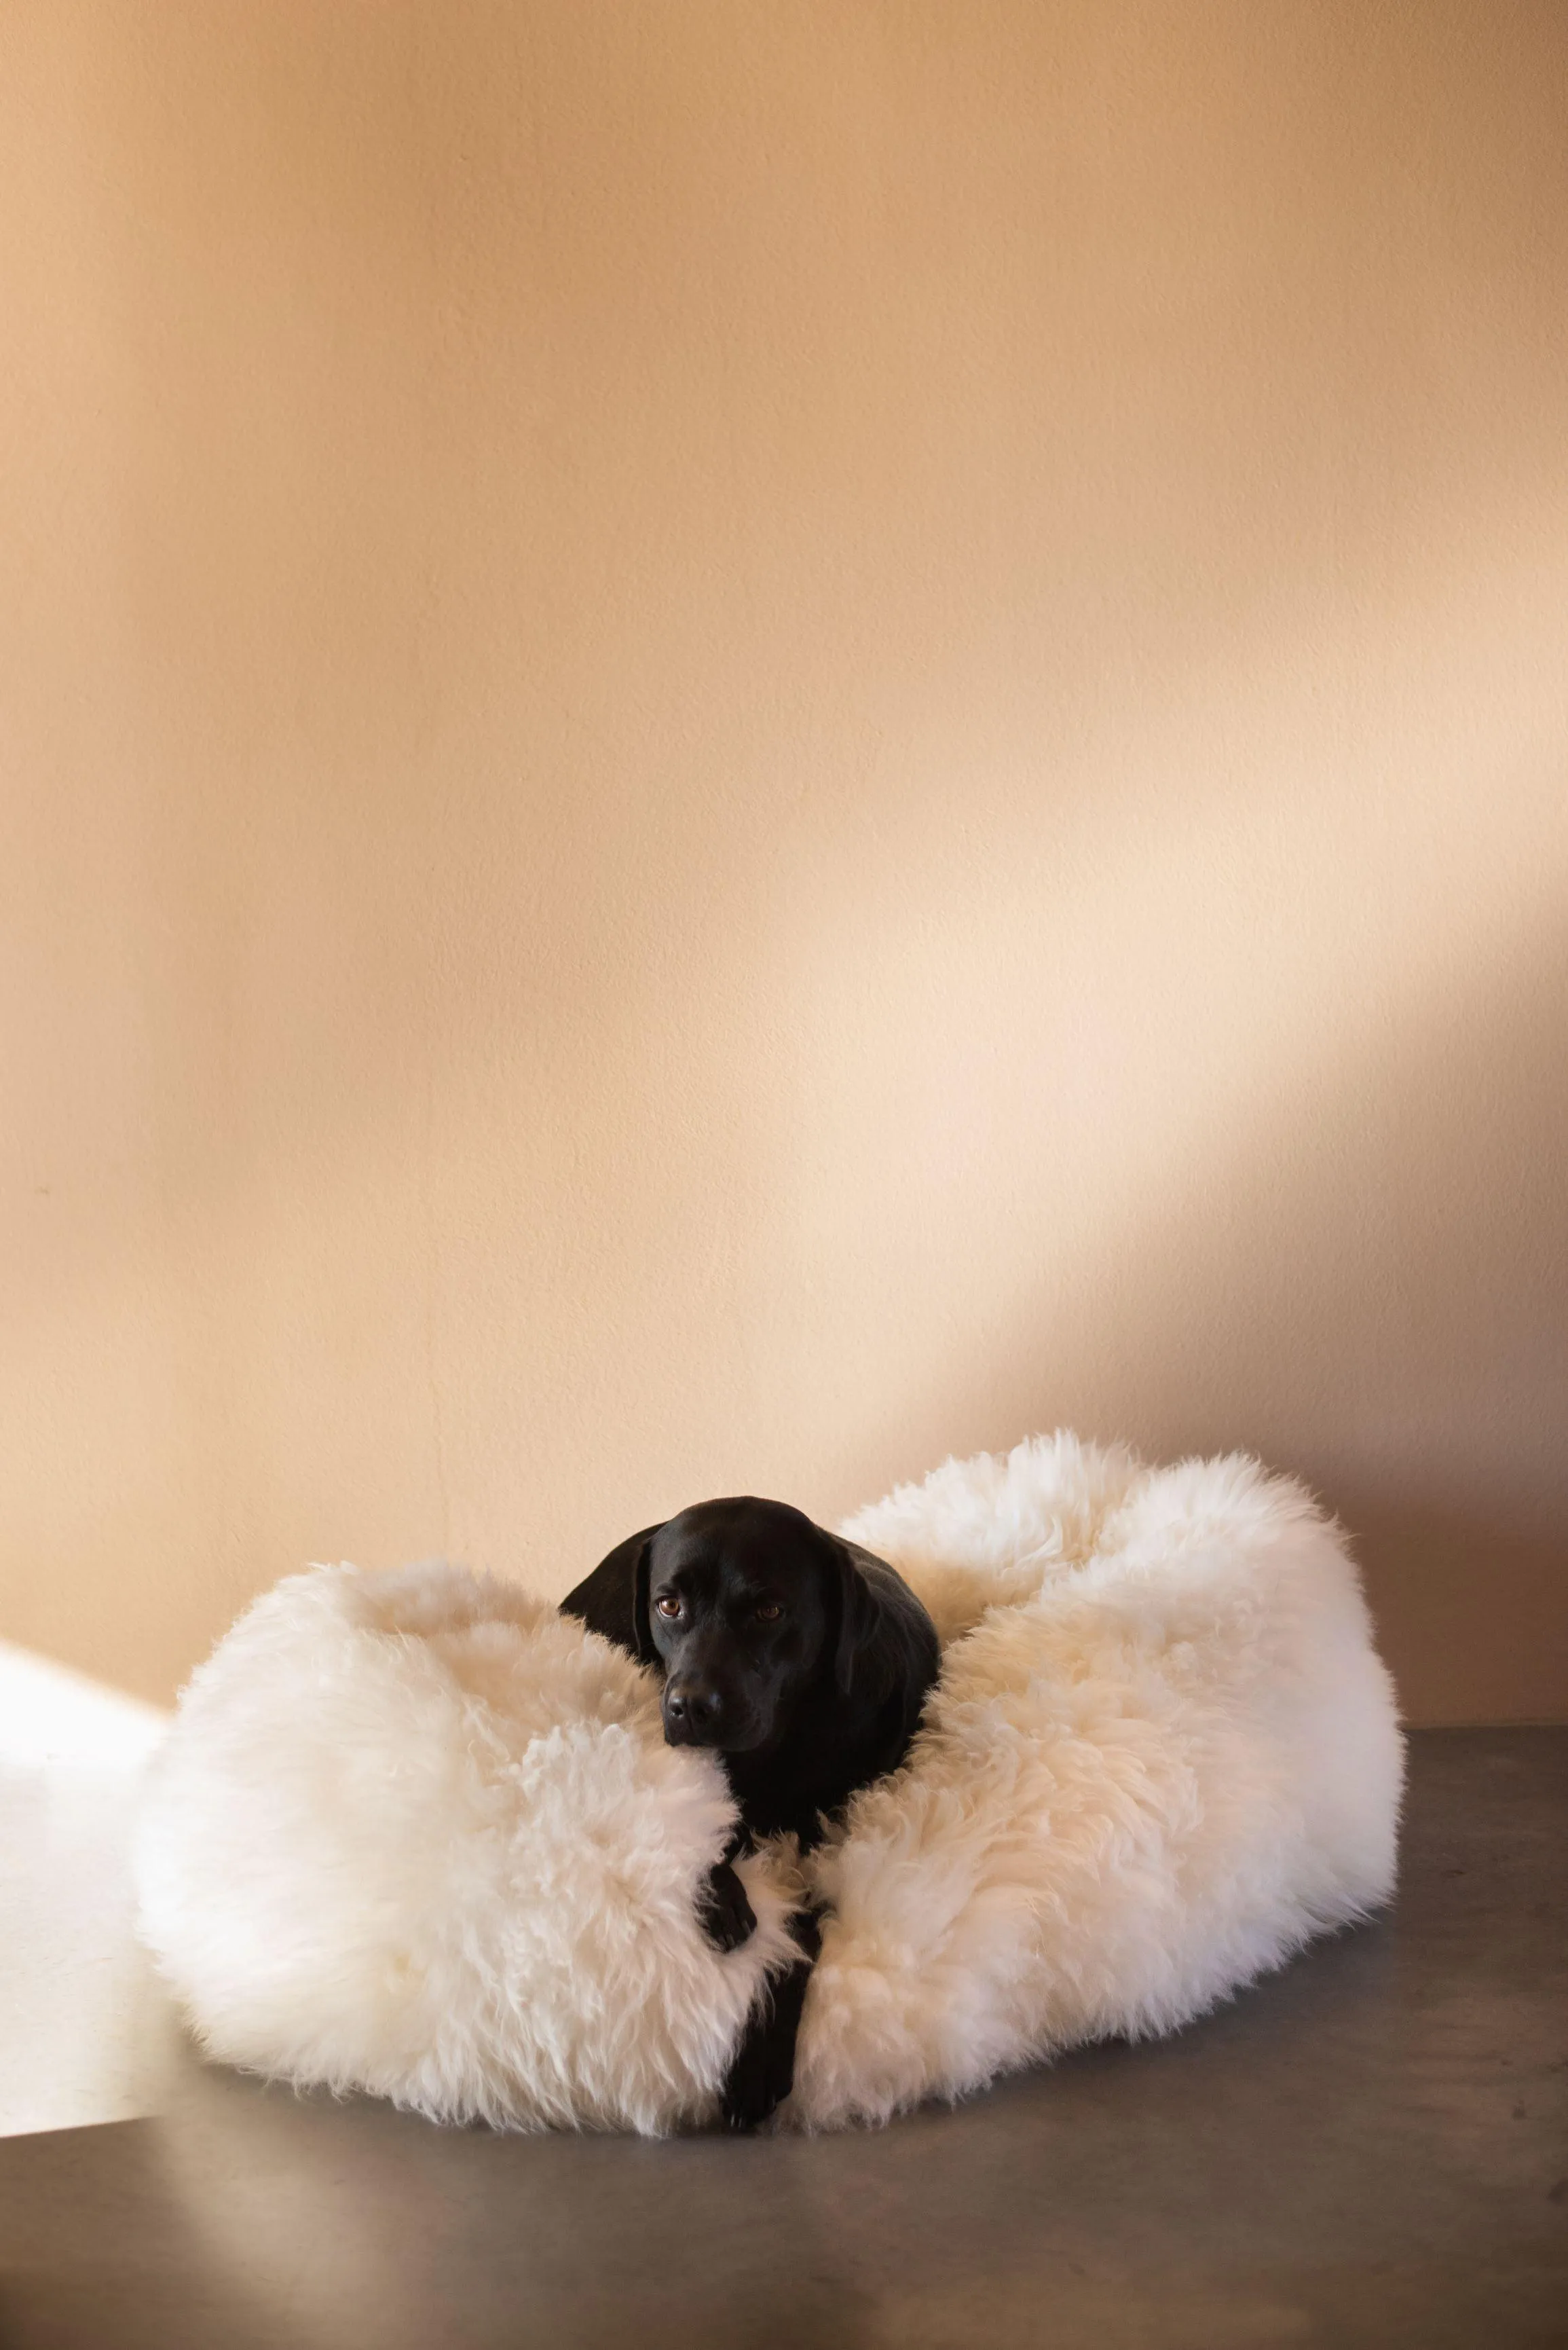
(420, 1834)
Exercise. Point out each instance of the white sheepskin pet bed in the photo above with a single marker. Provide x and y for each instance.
(420, 1834)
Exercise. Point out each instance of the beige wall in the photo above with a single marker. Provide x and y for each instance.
(744, 742)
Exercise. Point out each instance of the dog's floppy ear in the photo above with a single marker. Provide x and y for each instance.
(613, 1599)
(886, 1645)
(641, 1623)
(859, 1613)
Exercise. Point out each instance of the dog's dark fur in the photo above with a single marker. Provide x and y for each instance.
(805, 1662)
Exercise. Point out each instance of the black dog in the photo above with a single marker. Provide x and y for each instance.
(805, 1662)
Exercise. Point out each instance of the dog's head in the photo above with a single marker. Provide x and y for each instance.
(749, 1607)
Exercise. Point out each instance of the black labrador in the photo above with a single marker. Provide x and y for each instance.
(805, 1662)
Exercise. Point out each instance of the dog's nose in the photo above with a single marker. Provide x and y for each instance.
(694, 1709)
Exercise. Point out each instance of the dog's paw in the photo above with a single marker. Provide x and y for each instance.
(727, 1916)
(758, 2082)
(762, 2073)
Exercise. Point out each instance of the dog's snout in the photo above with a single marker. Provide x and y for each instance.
(696, 1702)
(694, 1710)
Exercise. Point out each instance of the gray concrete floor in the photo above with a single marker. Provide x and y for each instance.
(1369, 2149)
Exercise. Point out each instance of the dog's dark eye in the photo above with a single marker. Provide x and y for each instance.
(668, 1604)
(768, 1611)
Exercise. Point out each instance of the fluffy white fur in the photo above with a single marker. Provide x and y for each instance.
(420, 1834)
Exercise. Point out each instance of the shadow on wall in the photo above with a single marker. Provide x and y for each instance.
(1358, 1271)
(1371, 1291)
